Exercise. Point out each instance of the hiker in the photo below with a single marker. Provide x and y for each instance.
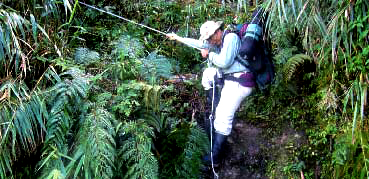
(238, 80)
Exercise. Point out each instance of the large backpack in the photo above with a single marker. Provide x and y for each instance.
(254, 53)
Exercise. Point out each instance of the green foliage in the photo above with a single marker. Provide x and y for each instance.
(85, 56)
(290, 67)
(126, 52)
(94, 154)
(59, 122)
(350, 157)
(136, 158)
(17, 36)
(128, 46)
(293, 170)
(182, 151)
(155, 66)
(125, 69)
(21, 115)
(131, 94)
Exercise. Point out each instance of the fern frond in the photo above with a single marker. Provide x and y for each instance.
(196, 146)
(155, 121)
(182, 150)
(94, 155)
(128, 46)
(152, 96)
(135, 154)
(64, 99)
(290, 67)
(155, 66)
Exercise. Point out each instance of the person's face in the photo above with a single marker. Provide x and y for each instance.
(216, 38)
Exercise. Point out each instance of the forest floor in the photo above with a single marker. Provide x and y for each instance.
(253, 153)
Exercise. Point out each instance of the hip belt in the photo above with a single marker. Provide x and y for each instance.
(246, 79)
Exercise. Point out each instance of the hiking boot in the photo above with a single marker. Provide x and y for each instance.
(218, 145)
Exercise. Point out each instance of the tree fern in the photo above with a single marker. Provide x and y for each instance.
(135, 155)
(94, 154)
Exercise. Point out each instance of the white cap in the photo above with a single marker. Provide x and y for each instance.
(208, 29)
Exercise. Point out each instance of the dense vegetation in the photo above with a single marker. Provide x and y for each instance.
(86, 95)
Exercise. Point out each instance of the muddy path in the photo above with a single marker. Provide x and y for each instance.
(251, 153)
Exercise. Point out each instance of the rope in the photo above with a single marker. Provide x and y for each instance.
(211, 130)
(120, 17)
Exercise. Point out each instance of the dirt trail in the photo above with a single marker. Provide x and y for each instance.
(248, 151)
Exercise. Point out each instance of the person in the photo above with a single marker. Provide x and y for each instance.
(238, 80)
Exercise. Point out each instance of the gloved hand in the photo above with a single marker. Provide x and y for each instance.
(208, 77)
(172, 36)
(205, 53)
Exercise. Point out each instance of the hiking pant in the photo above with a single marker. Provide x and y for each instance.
(230, 99)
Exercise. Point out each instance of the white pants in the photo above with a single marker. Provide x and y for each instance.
(230, 99)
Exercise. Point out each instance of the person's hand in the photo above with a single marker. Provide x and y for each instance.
(172, 36)
(205, 53)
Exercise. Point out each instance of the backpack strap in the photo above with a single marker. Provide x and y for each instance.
(242, 60)
(253, 31)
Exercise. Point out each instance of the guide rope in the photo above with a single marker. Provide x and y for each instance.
(211, 130)
(145, 26)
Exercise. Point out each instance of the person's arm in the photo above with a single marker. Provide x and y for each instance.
(228, 53)
(189, 41)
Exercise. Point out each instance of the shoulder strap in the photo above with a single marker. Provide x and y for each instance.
(242, 61)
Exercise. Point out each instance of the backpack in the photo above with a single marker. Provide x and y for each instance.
(254, 53)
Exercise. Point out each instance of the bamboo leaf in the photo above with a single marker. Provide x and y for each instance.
(354, 125)
(34, 28)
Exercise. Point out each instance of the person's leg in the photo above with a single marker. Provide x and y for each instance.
(231, 97)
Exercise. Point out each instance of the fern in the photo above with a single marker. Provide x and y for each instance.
(130, 96)
(63, 101)
(85, 56)
(128, 46)
(292, 64)
(284, 54)
(182, 152)
(94, 154)
(135, 154)
(155, 66)
(196, 146)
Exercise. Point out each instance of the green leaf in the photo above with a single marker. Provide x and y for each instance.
(34, 28)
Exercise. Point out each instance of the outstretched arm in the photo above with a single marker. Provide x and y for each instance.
(198, 44)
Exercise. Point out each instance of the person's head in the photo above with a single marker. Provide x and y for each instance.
(212, 32)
